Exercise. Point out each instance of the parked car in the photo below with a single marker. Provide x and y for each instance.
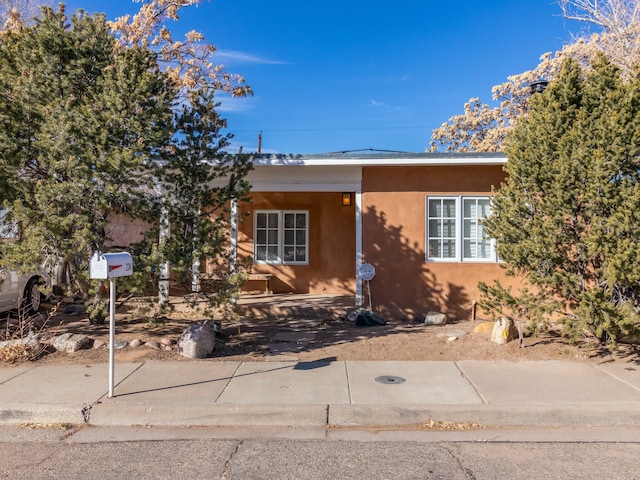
(22, 290)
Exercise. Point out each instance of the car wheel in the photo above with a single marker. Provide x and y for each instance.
(31, 300)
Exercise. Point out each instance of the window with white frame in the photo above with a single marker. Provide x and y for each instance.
(281, 236)
(455, 231)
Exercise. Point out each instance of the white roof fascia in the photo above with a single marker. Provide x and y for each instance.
(380, 160)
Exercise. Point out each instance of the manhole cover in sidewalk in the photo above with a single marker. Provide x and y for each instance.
(390, 379)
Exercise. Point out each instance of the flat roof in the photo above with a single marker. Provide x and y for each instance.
(378, 159)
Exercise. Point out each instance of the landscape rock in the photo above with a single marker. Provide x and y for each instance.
(71, 342)
(435, 318)
(136, 342)
(504, 330)
(32, 340)
(75, 309)
(197, 341)
(166, 341)
(99, 344)
(152, 344)
(453, 332)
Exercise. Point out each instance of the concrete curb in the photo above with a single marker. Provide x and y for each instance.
(19, 414)
(217, 415)
(569, 416)
(360, 416)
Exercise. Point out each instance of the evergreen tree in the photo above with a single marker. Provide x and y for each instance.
(567, 217)
(80, 123)
(199, 179)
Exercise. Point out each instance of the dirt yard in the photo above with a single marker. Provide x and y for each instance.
(329, 337)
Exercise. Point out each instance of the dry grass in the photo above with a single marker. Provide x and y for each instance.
(446, 425)
(28, 329)
(17, 353)
(48, 426)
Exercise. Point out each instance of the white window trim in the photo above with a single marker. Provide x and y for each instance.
(459, 250)
(281, 215)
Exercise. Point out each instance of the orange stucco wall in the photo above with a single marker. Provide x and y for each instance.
(331, 267)
(124, 231)
(394, 230)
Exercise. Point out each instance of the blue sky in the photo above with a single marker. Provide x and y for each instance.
(344, 75)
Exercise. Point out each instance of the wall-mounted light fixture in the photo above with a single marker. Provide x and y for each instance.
(346, 199)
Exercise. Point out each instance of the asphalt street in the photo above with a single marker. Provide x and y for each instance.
(246, 454)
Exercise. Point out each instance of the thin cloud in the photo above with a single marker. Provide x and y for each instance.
(391, 108)
(229, 104)
(242, 57)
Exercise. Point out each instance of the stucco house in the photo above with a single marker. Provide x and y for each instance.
(313, 220)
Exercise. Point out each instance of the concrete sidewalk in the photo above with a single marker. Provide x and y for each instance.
(320, 394)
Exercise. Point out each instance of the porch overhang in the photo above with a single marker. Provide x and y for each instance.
(312, 178)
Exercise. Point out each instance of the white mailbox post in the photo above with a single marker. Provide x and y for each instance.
(109, 266)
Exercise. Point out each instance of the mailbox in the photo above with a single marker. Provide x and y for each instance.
(110, 265)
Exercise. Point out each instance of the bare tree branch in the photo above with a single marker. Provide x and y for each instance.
(482, 128)
(16, 12)
(188, 62)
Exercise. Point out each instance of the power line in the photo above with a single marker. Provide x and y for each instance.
(369, 150)
(336, 129)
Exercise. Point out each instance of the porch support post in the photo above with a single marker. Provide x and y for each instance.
(195, 269)
(233, 223)
(359, 253)
(195, 276)
(163, 282)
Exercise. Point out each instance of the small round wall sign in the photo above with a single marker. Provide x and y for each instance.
(367, 271)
